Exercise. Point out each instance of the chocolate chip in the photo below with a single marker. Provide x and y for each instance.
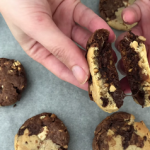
(105, 101)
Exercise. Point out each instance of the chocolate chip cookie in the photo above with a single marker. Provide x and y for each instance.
(134, 56)
(42, 132)
(12, 81)
(104, 86)
(120, 132)
(111, 10)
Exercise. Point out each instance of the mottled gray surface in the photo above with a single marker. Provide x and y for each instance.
(47, 93)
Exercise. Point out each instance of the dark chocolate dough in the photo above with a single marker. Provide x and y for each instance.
(12, 81)
(54, 124)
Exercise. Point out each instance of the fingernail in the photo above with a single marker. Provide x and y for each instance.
(79, 74)
(124, 18)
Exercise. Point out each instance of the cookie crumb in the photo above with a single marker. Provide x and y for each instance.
(15, 105)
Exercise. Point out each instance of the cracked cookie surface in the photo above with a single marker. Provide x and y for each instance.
(120, 132)
(134, 56)
(42, 132)
(104, 85)
(111, 10)
(12, 81)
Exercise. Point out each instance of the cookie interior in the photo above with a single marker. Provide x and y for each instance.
(120, 132)
(104, 86)
(134, 57)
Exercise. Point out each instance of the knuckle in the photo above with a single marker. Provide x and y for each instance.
(39, 19)
(59, 53)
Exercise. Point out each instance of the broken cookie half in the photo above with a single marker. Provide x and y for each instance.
(134, 56)
(104, 86)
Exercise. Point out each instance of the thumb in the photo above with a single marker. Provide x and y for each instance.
(44, 31)
(132, 13)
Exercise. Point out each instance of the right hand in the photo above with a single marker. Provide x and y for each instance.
(47, 29)
(138, 12)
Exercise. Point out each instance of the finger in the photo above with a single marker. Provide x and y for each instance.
(148, 54)
(132, 13)
(80, 35)
(125, 85)
(88, 19)
(61, 71)
(42, 29)
(120, 67)
(43, 56)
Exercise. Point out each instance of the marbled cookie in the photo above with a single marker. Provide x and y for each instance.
(111, 10)
(120, 132)
(134, 56)
(104, 86)
(42, 132)
(12, 81)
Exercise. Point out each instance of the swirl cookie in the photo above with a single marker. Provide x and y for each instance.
(12, 81)
(111, 10)
(42, 132)
(120, 132)
(134, 56)
(104, 86)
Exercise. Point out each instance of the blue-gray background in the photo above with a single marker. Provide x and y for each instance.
(47, 93)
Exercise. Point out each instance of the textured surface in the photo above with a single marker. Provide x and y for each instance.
(104, 86)
(12, 81)
(134, 56)
(42, 132)
(120, 132)
(111, 11)
(46, 93)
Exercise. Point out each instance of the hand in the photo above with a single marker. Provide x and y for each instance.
(46, 29)
(138, 12)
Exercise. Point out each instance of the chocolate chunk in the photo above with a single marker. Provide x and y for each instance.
(117, 95)
(145, 138)
(131, 63)
(12, 81)
(105, 101)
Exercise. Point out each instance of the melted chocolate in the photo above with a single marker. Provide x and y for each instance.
(105, 62)
(130, 60)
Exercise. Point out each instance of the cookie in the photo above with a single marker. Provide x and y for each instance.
(134, 56)
(111, 10)
(104, 86)
(12, 81)
(120, 132)
(42, 132)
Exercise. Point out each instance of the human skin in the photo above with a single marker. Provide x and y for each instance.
(47, 30)
(138, 12)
